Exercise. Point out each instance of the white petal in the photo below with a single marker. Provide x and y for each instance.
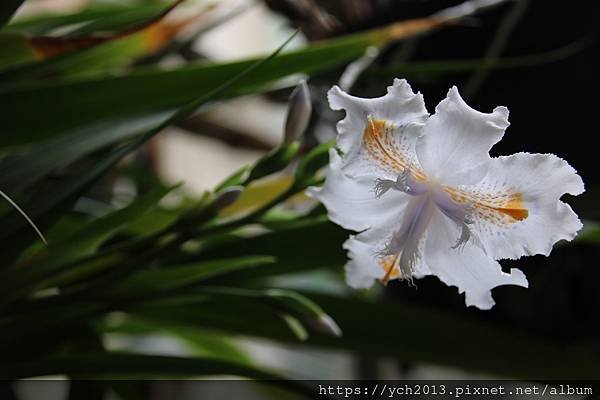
(366, 265)
(351, 202)
(404, 114)
(363, 268)
(454, 148)
(537, 181)
(467, 268)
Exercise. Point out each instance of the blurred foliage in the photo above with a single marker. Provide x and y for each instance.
(202, 270)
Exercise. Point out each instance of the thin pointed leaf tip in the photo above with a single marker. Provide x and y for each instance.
(20, 211)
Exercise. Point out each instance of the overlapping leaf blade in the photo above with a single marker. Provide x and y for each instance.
(7, 9)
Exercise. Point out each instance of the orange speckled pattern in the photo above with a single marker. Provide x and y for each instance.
(501, 209)
(387, 149)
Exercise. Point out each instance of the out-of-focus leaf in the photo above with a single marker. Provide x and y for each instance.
(237, 178)
(312, 163)
(316, 243)
(272, 162)
(58, 254)
(136, 365)
(408, 333)
(202, 342)
(24, 168)
(153, 222)
(297, 312)
(288, 302)
(257, 195)
(590, 233)
(257, 314)
(295, 326)
(125, 17)
(91, 236)
(14, 49)
(43, 110)
(53, 108)
(67, 191)
(133, 41)
(107, 16)
(445, 67)
(168, 278)
(47, 205)
(7, 9)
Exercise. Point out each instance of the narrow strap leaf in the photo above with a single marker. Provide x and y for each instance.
(7, 10)
(16, 206)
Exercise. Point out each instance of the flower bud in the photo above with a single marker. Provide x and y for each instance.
(299, 112)
(227, 197)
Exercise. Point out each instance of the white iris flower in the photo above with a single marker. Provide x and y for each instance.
(428, 199)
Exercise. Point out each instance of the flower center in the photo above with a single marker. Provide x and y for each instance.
(402, 253)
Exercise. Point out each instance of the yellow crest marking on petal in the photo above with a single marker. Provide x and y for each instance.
(500, 208)
(381, 146)
(390, 265)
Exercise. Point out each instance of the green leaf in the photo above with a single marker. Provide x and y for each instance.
(91, 236)
(203, 342)
(295, 326)
(109, 16)
(408, 333)
(117, 17)
(7, 10)
(291, 303)
(273, 162)
(14, 49)
(257, 194)
(57, 255)
(94, 99)
(299, 247)
(50, 201)
(173, 277)
(226, 309)
(589, 234)
(135, 365)
(86, 50)
(26, 167)
(67, 191)
(297, 311)
(305, 309)
(311, 164)
(38, 111)
(107, 57)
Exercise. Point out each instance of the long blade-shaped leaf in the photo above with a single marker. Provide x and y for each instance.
(55, 107)
(56, 257)
(7, 10)
(29, 221)
(62, 198)
(408, 333)
(119, 364)
(169, 278)
(107, 17)
(147, 35)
